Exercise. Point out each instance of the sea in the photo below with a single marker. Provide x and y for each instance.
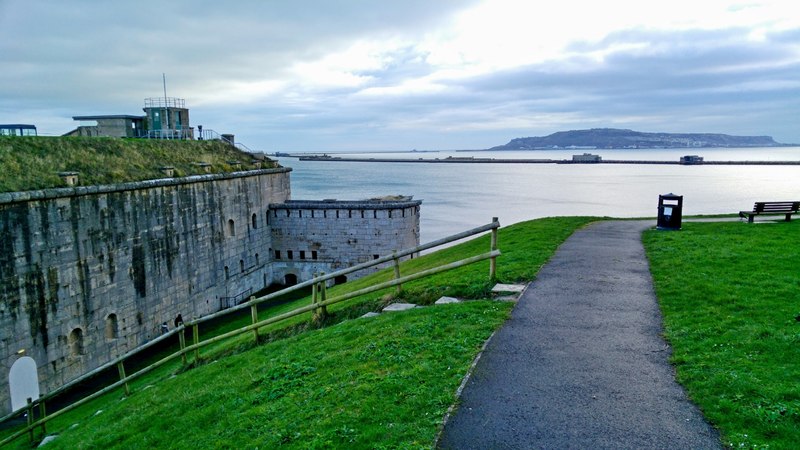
(456, 197)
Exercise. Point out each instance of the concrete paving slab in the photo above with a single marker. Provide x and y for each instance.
(371, 314)
(47, 440)
(581, 362)
(446, 300)
(499, 287)
(399, 307)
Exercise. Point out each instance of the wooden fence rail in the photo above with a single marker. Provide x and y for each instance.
(318, 305)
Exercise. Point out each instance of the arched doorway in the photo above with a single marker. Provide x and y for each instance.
(290, 279)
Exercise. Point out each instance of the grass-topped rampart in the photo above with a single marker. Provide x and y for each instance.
(33, 162)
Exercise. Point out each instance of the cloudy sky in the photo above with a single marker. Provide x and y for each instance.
(328, 75)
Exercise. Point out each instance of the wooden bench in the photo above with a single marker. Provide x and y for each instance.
(787, 208)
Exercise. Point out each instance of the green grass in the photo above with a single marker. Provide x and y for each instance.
(29, 163)
(385, 382)
(730, 293)
(382, 383)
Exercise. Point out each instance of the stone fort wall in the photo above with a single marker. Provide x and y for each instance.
(325, 236)
(90, 273)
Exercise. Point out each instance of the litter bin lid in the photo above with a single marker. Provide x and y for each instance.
(671, 196)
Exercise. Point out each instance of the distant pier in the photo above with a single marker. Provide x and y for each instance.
(472, 160)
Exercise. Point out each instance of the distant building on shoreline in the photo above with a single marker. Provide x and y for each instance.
(586, 158)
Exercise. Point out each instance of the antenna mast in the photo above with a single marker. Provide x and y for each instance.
(166, 102)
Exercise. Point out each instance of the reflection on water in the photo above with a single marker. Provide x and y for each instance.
(460, 196)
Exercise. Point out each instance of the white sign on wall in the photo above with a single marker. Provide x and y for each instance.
(23, 381)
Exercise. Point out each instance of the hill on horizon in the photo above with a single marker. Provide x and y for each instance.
(622, 138)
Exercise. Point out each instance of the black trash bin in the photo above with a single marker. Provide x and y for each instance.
(670, 212)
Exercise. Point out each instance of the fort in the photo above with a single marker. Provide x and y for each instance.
(88, 273)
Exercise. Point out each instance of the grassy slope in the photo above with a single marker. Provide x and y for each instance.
(383, 382)
(730, 293)
(29, 163)
(388, 372)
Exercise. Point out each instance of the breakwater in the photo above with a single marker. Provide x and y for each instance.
(470, 160)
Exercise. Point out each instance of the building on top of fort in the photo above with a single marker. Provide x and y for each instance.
(17, 129)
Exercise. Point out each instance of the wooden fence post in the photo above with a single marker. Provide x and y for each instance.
(196, 340)
(396, 260)
(323, 295)
(42, 415)
(30, 418)
(314, 289)
(493, 247)
(122, 376)
(182, 342)
(254, 316)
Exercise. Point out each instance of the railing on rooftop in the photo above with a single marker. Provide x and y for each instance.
(319, 303)
(164, 102)
(186, 133)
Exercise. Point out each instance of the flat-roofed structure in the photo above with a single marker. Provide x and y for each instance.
(111, 125)
(17, 129)
(167, 118)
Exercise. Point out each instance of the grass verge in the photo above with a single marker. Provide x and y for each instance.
(729, 293)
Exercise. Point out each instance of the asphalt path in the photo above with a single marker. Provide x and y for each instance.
(581, 362)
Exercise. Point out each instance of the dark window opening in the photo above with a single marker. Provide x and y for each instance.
(289, 254)
(241, 265)
(227, 273)
(341, 279)
(255, 225)
(231, 228)
(376, 256)
(277, 254)
(302, 254)
(256, 258)
(112, 329)
(313, 254)
(76, 342)
(362, 213)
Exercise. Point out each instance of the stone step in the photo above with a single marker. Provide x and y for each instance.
(500, 287)
(399, 307)
(446, 300)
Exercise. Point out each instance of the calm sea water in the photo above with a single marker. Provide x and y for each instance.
(457, 197)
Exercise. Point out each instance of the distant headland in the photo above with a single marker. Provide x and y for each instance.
(619, 138)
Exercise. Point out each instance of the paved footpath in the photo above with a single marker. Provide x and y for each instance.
(581, 363)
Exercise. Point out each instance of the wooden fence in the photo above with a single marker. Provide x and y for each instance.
(318, 305)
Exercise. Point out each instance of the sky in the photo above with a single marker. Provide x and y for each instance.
(366, 75)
